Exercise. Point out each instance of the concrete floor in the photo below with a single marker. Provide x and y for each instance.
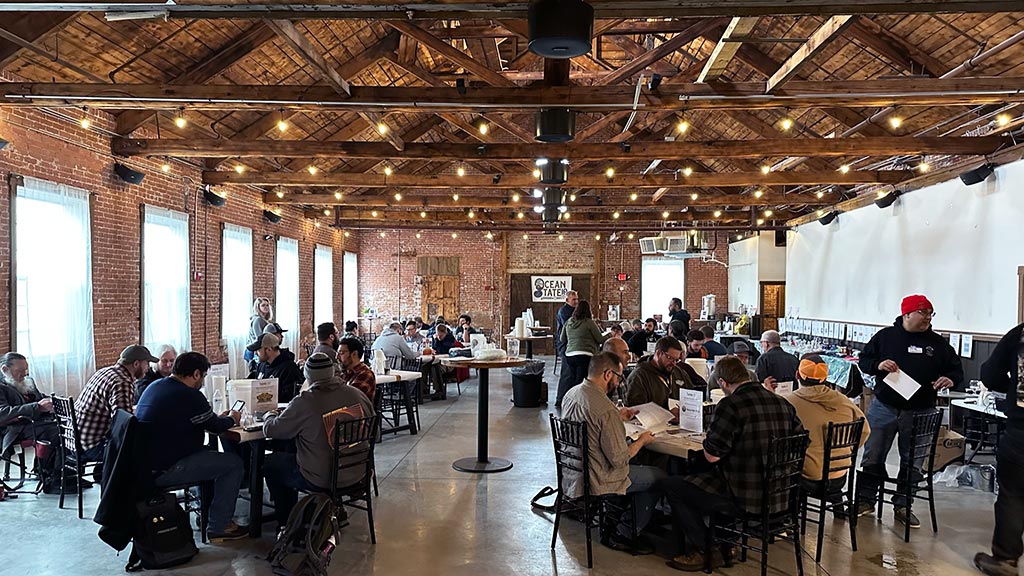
(433, 520)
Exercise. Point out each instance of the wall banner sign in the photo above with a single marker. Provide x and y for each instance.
(550, 288)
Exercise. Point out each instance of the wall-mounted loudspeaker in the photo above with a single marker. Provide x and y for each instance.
(272, 217)
(979, 174)
(127, 174)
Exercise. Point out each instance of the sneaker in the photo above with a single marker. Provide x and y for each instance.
(622, 544)
(232, 532)
(694, 561)
(906, 517)
(995, 567)
(865, 508)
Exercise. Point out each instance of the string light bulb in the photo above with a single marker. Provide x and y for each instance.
(373, 213)
(398, 196)
(388, 171)
(180, 121)
(471, 214)
(633, 197)
(520, 215)
(165, 167)
(423, 214)
(572, 197)
(515, 197)
(664, 214)
(895, 121)
(683, 126)
(312, 170)
(786, 124)
(382, 128)
(694, 196)
(718, 213)
(844, 169)
(609, 172)
(758, 193)
(765, 169)
(460, 171)
(455, 197)
(687, 171)
(615, 215)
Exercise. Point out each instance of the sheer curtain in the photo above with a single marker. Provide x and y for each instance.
(166, 309)
(236, 295)
(286, 298)
(53, 291)
(350, 286)
(661, 279)
(323, 285)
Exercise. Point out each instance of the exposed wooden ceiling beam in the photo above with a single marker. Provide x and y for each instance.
(409, 215)
(674, 96)
(514, 181)
(451, 53)
(726, 48)
(486, 9)
(816, 42)
(217, 62)
(618, 28)
(828, 147)
(897, 48)
(32, 27)
(608, 203)
(675, 43)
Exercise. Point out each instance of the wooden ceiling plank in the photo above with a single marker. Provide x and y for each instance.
(816, 42)
(309, 53)
(451, 53)
(897, 48)
(32, 27)
(679, 40)
(726, 48)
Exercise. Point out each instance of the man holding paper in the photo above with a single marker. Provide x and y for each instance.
(610, 471)
(911, 364)
(658, 377)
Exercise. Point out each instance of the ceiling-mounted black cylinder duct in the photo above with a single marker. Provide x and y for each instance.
(552, 196)
(555, 125)
(554, 171)
(560, 28)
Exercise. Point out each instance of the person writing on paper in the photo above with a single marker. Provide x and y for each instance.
(775, 364)
(817, 404)
(736, 443)
(1002, 373)
(909, 346)
(657, 378)
(307, 468)
(610, 471)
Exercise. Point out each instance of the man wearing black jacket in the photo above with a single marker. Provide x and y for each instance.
(676, 312)
(277, 362)
(1002, 373)
(909, 345)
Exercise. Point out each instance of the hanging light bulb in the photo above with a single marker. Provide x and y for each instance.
(471, 214)
(281, 124)
(820, 194)
(239, 168)
(630, 236)
(337, 195)
(633, 197)
(388, 171)
(526, 236)
(460, 171)
(515, 197)
(279, 193)
(455, 235)
(418, 235)
(609, 172)
(520, 215)
(561, 236)
(664, 214)
(398, 196)
(423, 214)
(565, 216)
(455, 197)
(572, 197)
(687, 171)
(536, 173)
(489, 236)
(383, 234)
(923, 166)
(694, 196)
(758, 193)
(615, 215)
(760, 221)
(895, 121)
(765, 169)
(316, 224)
(718, 213)
(327, 212)
(373, 213)
(683, 126)
(768, 213)
(844, 169)
(180, 121)
(382, 128)
(1003, 119)
(786, 124)
(165, 167)
(597, 236)
(312, 170)
(85, 123)
(347, 234)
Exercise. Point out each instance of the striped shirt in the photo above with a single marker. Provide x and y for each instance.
(109, 388)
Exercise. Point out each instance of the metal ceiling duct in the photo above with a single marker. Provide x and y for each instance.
(553, 171)
(560, 29)
(555, 125)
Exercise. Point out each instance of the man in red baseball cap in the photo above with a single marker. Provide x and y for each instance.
(910, 346)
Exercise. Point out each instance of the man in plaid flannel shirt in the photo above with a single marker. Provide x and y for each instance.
(735, 444)
(109, 388)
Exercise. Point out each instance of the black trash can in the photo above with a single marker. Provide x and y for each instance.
(526, 390)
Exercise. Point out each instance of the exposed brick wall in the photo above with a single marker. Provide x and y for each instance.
(58, 150)
(708, 278)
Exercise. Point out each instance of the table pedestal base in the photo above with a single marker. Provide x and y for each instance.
(472, 465)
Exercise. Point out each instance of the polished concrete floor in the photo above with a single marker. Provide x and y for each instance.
(432, 519)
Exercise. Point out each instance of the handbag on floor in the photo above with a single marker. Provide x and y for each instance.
(163, 537)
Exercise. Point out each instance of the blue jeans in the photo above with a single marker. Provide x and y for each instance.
(886, 424)
(225, 470)
(285, 481)
(643, 480)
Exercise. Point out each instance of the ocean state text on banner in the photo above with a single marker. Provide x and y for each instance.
(550, 288)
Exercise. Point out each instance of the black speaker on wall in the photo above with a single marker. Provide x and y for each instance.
(979, 174)
(780, 238)
(127, 174)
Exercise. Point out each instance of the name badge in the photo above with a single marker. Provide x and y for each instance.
(915, 350)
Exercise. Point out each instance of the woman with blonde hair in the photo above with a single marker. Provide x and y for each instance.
(262, 314)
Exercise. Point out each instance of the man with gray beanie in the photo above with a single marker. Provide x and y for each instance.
(308, 467)
(109, 388)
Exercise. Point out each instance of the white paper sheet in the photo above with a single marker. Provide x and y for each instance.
(967, 345)
(954, 342)
(903, 385)
(633, 431)
(653, 417)
(784, 387)
(691, 413)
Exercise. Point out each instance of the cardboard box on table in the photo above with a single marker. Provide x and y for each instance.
(259, 395)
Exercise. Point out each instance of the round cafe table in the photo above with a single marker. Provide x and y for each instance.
(529, 342)
(482, 463)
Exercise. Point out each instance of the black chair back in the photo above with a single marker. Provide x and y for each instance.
(67, 424)
(924, 434)
(842, 441)
(783, 465)
(570, 441)
(709, 413)
(394, 362)
(353, 441)
(411, 364)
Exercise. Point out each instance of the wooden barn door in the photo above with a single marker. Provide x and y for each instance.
(440, 296)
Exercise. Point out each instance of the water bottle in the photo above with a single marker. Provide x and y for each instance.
(218, 402)
(328, 547)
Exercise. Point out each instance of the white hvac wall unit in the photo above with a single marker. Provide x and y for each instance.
(651, 246)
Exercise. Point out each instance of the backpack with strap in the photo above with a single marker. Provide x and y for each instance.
(163, 536)
(304, 545)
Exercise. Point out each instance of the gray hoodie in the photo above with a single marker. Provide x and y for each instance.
(303, 421)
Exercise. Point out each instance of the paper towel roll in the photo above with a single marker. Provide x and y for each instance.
(520, 328)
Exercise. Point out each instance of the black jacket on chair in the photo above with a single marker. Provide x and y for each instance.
(127, 480)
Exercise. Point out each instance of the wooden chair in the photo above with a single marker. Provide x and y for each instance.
(779, 516)
(841, 444)
(71, 448)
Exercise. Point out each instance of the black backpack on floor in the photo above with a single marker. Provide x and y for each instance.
(163, 536)
(305, 544)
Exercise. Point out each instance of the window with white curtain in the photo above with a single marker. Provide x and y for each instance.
(166, 309)
(53, 288)
(286, 298)
(236, 294)
(350, 286)
(323, 285)
(661, 279)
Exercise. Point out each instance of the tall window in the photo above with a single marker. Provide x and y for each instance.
(166, 309)
(350, 285)
(286, 299)
(53, 290)
(323, 285)
(236, 294)
(661, 279)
